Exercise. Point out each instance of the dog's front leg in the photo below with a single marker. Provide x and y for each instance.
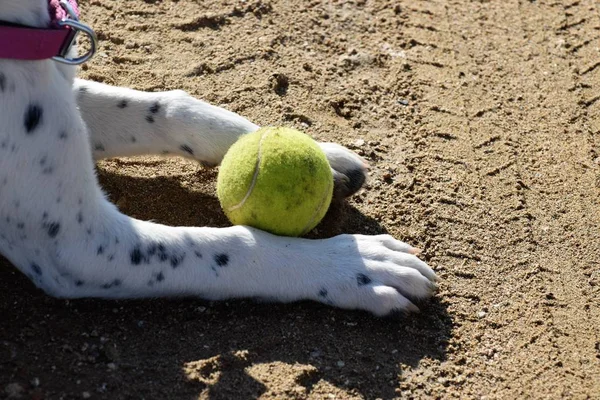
(125, 122)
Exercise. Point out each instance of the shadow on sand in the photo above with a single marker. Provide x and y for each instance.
(181, 348)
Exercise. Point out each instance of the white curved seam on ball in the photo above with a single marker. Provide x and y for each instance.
(318, 210)
(255, 177)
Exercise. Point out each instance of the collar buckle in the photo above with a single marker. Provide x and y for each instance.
(75, 27)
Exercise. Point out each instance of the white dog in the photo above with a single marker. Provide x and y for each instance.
(57, 227)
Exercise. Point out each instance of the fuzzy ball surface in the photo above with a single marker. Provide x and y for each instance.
(275, 179)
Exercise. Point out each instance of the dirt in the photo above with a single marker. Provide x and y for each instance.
(480, 120)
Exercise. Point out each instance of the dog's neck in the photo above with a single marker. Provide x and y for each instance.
(32, 13)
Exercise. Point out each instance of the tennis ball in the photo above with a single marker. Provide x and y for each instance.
(277, 180)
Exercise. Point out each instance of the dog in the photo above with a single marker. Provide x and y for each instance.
(58, 228)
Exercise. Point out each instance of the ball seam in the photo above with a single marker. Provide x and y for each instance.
(254, 177)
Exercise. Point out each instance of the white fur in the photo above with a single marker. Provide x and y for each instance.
(57, 227)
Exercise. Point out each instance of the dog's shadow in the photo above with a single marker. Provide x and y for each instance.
(220, 350)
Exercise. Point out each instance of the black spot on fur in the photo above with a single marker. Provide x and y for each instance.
(133, 139)
(99, 147)
(53, 229)
(155, 108)
(100, 250)
(83, 89)
(62, 135)
(33, 117)
(36, 268)
(136, 256)
(198, 254)
(79, 217)
(79, 283)
(162, 253)
(150, 119)
(160, 277)
(362, 279)
(114, 283)
(20, 225)
(176, 260)
(2, 82)
(222, 260)
(323, 292)
(123, 104)
(187, 149)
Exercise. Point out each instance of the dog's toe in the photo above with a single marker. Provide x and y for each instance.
(349, 169)
(347, 183)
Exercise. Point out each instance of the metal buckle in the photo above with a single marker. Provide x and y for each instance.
(75, 28)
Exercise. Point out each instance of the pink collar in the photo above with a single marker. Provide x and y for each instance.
(20, 42)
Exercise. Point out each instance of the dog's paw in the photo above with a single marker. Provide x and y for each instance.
(349, 169)
(378, 274)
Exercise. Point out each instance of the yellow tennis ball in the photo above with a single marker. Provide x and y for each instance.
(277, 180)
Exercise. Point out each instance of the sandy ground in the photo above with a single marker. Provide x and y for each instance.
(481, 122)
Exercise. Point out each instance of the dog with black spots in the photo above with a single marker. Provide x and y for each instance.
(59, 229)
